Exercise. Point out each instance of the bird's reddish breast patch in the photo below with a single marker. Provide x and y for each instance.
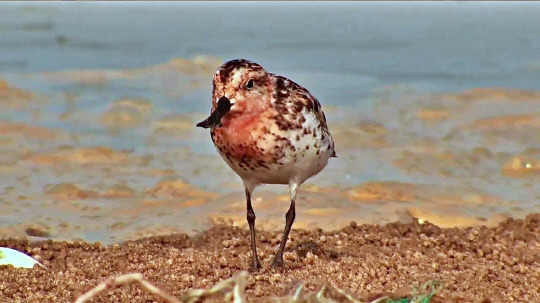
(238, 137)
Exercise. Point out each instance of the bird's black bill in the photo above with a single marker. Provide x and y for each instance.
(222, 108)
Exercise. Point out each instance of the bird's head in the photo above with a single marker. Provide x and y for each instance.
(241, 88)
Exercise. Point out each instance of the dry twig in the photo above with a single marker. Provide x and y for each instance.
(125, 279)
(233, 290)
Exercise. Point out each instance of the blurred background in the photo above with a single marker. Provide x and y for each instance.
(434, 107)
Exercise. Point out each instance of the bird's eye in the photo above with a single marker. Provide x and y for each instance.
(250, 84)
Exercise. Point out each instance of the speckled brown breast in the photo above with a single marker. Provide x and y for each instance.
(264, 153)
(244, 151)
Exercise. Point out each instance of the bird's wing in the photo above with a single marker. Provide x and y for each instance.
(292, 100)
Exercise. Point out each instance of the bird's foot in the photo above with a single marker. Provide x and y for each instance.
(255, 266)
(278, 262)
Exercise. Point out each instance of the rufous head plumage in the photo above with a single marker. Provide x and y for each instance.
(245, 86)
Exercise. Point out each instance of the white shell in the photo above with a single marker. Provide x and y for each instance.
(16, 258)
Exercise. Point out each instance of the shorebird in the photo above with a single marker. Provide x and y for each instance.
(269, 130)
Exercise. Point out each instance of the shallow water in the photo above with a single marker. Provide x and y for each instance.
(435, 109)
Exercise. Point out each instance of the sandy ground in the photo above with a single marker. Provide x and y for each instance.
(476, 264)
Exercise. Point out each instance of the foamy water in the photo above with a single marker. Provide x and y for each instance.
(435, 109)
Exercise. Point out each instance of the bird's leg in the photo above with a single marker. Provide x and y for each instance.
(255, 264)
(289, 219)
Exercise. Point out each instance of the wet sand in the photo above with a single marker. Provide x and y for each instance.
(135, 166)
(475, 264)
